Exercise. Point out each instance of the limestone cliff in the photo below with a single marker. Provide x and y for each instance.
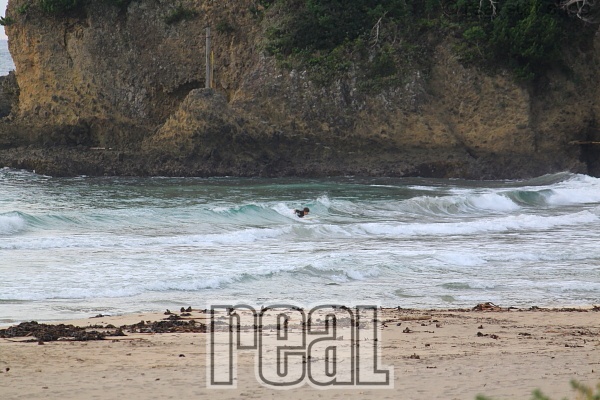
(119, 90)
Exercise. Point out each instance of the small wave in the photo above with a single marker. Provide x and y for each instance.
(456, 286)
(131, 290)
(559, 190)
(241, 236)
(119, 241)
(548, 179)
(22, 220)
(473, 285)
(325, 201)
(448, 299)
(314, 271)
(576, 195)
(469, 203)
(21, 175)
(69, 293)
(570, 286)
(336, 274)
(321, 206)
(423, 188)
(361, 275)
(247, 210)
(493, 202)
(461, 259)
(192, 285)
(529, 197)
(12, 223)
(509, 223)
(285, 211)
(403, 294)
(579, 253)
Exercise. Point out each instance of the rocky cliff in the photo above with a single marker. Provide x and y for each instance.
(119, 90)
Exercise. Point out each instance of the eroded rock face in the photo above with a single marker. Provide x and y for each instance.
(9, 94)
(126, 81)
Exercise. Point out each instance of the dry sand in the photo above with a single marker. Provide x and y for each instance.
(439, 356)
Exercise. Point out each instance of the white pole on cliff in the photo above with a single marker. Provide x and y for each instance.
(208, 84)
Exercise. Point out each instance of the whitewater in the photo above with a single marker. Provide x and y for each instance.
(77, 247)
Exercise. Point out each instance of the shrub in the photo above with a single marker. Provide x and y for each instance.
(6, 21)
(179, 14)
(525, 36)
(58, 6)
(225, 27)
(529, 34)
(326, 24)
(326, 36)
(23, 8)
(119, 3)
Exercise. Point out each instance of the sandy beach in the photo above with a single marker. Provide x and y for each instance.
(435, 354)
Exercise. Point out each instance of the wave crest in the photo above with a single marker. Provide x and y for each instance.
(11, 223)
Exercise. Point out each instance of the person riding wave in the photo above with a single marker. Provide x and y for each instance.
(302, 213)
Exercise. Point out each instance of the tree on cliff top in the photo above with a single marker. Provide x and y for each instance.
(526, 36)
(58, 6)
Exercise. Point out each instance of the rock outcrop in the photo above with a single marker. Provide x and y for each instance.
(118, 90)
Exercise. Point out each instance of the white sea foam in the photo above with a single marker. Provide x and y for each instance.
(520, 222)
(570, 286)
(325, 201)
(459, 258)
(362, 275)
(132, 244)
(578, 195)
(570, 190)
(57, 293)
(422, 188)
(137, 241)
(11, 223)
(129, 288)
(493, 202)
(190, 285)
(286, 211)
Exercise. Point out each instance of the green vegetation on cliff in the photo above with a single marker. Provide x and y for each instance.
(381, 41)
(525, 36)
(180, 13)
(58, 6)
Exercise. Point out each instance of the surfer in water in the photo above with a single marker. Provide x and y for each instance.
(302, 213)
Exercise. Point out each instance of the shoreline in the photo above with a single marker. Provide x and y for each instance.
(127, 315)
(155, 313)
(449, 354)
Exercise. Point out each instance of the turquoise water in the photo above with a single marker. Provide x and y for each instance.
(76, 247)
(6, 62)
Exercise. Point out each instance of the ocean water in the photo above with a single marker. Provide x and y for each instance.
(6, 61)
(77, 247)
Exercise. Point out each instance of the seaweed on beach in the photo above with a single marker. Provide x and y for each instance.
(51, 333)
(167, 326)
